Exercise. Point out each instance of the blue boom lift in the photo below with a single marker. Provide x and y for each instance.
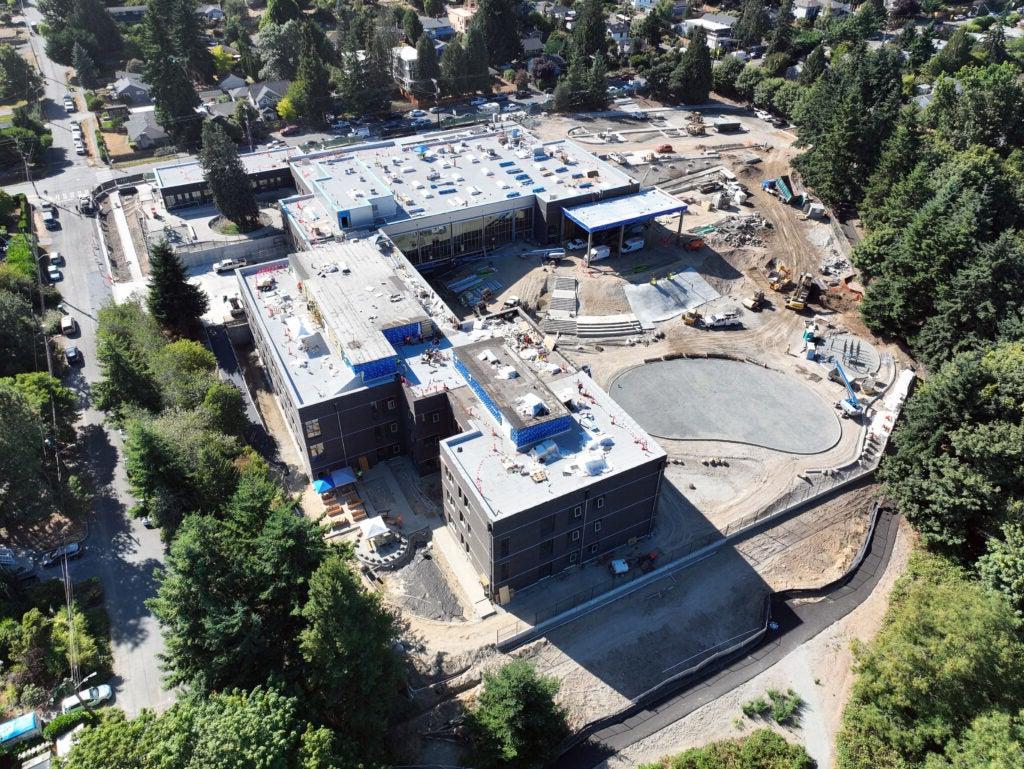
(851, 406)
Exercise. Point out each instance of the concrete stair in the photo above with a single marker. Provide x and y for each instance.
(564, 326)
(607, 326)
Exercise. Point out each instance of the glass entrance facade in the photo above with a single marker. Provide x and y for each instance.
(465, 238)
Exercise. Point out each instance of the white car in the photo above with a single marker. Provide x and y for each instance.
(227, 265)
(511, 107)
(91, 697)
(68, 326)
(53, 274)
(633, 244)
(57, 258)
(478, 101)
(414, 113)
(576, 245)
(490, 107)
(598, 252)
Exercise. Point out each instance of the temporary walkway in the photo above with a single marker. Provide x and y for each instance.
(620, 213)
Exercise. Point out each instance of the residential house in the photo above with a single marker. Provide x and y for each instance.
(717, 26)
(460, 17)
(532, 45)
(835, 7)
(127, 14)
(211, 14)
(404, 63)
(130, 89)
(144, 133)
(437, 29)
(618, 30)
(231, 83)
(559, 13)
(806, 9)
(264, 96)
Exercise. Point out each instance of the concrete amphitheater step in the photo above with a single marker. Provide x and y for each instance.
(559, 326)
(602, 326)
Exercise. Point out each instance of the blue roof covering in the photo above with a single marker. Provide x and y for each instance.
(18, 727)
(629, 209)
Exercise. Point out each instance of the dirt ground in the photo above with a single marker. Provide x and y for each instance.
(820, 671)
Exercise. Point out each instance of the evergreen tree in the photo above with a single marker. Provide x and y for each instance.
(279, 12)
(814, 65)
(455, 78)
(428, 71)
(175, 303)
(476, 61)
(434, 8)
(691, 79)
(750, 28)
(994, 43)
(499, 22)
(589, 30)
(310, 92)
(571, 92)
(597, 85)
(167, 72)
(232, 191)
(781, 38)
(411, 26)
(954, 55)
(84, 66)
(188, 39)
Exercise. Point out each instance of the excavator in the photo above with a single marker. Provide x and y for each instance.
(778, 276)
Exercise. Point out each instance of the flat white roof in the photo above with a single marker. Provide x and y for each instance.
(603, 438)
(191, 172)
(625, 210)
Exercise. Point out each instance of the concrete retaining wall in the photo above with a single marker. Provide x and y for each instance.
(252, 250)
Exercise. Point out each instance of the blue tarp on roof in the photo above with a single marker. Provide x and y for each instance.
(629, 209)
(18, 727)
(343, 477)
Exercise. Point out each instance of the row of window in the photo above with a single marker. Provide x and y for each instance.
(313, 429)
(546, 569)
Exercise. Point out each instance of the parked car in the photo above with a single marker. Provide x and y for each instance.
(289, 130)
(56, 257)
(576, 244)
(85, 204)
(422, 122)
(633, 244)
(50, 220)
(414, 113)
(80, 149)
(72, 355)
(511, 107)
(664, 148)
(91, 697)
(69, 551)
(69, 103)
(435, 110)
(53, 274)
(478, 101)
(227, 265)
(68, 326)
(599, 252)
(490, 107)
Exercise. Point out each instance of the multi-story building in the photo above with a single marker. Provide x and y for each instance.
(541, 469)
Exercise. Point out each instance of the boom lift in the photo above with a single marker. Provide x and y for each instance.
(851, 406)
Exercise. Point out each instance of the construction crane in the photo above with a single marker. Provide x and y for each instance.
(851, 406)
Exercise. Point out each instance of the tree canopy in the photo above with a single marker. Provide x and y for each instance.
(229, 183)
(175, 303)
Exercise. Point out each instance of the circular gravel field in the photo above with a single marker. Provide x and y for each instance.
(727, 400)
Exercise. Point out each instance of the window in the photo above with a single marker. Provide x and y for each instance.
(547, 549)
(597, 526)
(573, 557)
(577, 511)
(600, 502)
(575, 536)
(593, 549)
(435, 417)
(394, 427)
(547, 526)
(503, 572)
(396, 450)
(391, 404)
(505, 544)
(316, 450)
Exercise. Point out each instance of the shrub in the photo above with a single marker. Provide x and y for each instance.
(785, 706)
(93, 102)
(19, 256)
(65, 722)
(755, 708)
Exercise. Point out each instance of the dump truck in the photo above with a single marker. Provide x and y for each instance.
(799, 298)
(755, 302)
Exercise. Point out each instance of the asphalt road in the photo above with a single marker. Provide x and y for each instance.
(118, 550)
(797, 624)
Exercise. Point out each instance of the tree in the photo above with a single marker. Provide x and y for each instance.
(900, 155)
(589, 30)
(597, 84)
(691, 79)
(232, 191)
(762, 749)
(176, 100)
(498, 21)
(655, 25)
(981, 106)
(994, 740)
(279, 12)
(750, 28)
(86, 22)
(954, 55)
(278, 48)
(814, 66)
(85, 69)
(18, 334)
(947, 653)
(411, 26)
(724, 75)
(427, 68)
(230, 596)
(434, 8)
(176, 304)
(310, 92)
(346, 645)
(516, 723)
(18, 79)
(780, 40)
(1002, 565)
(994, 44)
(224, 409)
(21, 460)
(479, 77)
(46, 396)
(454, 73)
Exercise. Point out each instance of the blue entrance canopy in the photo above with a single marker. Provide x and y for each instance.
(619, 212)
